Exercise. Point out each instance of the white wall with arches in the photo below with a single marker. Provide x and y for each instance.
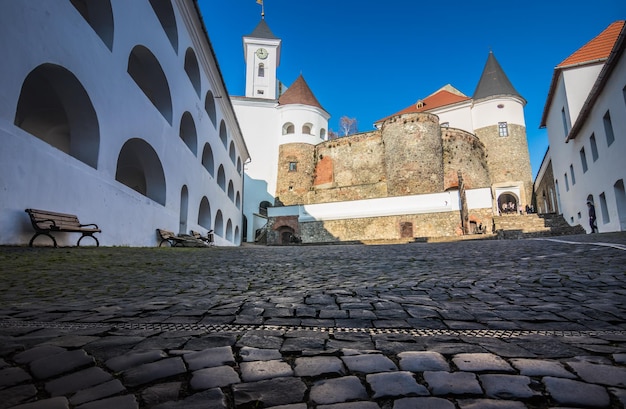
(117, 112)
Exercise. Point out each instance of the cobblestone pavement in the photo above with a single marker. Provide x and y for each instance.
(476, 324)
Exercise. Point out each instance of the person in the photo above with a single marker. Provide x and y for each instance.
(592, 216)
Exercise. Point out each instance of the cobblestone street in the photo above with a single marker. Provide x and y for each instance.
(537, 323)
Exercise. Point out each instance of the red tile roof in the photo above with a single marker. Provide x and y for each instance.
(299, 93)
(438, 99)
(598, 48)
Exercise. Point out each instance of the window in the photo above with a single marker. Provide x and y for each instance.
(261, 70)
(566, 183)
(594, 147)
(571, 171)
(583, 159)
(293, 166)
(306, 129)
(605, 210)
(503, 129)
(260, 91)
(288, 128)
(608, 128)
(565, 121)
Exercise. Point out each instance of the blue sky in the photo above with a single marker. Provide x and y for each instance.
(368, 59)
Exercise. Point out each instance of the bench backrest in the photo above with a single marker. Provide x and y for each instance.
(44, 219)
(165, 234)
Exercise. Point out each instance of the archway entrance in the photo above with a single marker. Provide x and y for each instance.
(508, 203)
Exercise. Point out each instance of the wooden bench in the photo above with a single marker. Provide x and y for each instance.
(170, 237)
(45, 222)
(208, 239)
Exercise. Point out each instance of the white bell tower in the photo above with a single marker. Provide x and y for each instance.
(262, 56)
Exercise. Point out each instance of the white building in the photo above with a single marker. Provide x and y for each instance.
(584, 116)
(269, 119)
(116, 111)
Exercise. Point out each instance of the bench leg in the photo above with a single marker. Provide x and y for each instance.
(90, 235)
(30, 243)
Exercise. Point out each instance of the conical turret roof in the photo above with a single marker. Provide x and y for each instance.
(493, 81)
(262, 30)
(299, 93)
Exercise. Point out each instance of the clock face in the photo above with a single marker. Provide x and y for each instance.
(262, 53)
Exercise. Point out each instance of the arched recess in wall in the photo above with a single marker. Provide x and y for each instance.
(231, 191)
(307, 128)
(236, 238)
(207, 159)
(288, 128)
(238, 200)
(99, 16)
(323, 133)
(232, 153)
(145, 69)
(204, 213)
(54, 107)
(192, 70)
(229, 230)
(221, 178)
(139, 168)
(239, 165)
(209, 107)
(219, 224)
(223, 134)
(188, 133)
(184, 208)
(165, 13)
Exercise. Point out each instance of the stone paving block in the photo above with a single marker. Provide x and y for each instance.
(541, 367)
(259, 370)
(152, 371)
(260, 341)
(452, 383)
(13, 376)
(209, 358)
(76, 381)
(423, 403)
(37, 352)
(17, 394)
(370, 363)
(620, 358)
(111, 346)
(318, 366)
(601, 374)
(420, 361)
(620, 394)
(292, 406)
(211, 341)
(490, 404)
(297, 345)
(257, 354)
(481, 362)
(350, 405)
(333, 314)
(58, 364)
(216, 377)
(576, 393)
(52, 403)
(337, 390)
(361, 314)
(453, 348)
(117, 402)
(273, 392)
(101, 391)
(501, 386)
(394, 384)
(71, 341)
(159, 393)
(131, 359)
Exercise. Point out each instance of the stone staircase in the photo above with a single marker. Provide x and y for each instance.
(518, 226)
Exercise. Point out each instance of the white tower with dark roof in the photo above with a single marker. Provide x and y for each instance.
(262, 55)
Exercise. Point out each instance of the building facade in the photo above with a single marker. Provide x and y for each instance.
(117, 112)
(587, 134)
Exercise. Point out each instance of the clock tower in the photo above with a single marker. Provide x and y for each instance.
(262, 56)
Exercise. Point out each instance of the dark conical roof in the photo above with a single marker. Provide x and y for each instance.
(262, 30)
(493, 81)
(299, 93)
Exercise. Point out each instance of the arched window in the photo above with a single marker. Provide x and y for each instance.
(145, 69)
(99, 16)
(165, 13)
(231, 191)
(54, 107)
(188, 132)
(323, 133)
(232, 153)
(261, 72)
(223, 133)
(209, 106)
(219, 224)
(192, 70)
(207, 159)
(221, 178)
(204, 214)
(139, 168)
(306, 129)
(288, 128)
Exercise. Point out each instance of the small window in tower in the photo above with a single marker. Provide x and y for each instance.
(293, 166)
(500, 106)
(260, 91)
(261, 70)
(306, 129)
(503, 129)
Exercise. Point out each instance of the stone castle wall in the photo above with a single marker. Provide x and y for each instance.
(292, 186)
(545, 192)
(463, 151)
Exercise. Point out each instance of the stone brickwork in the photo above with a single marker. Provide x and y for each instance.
(465, 152)
(293, 184)
(545, 192)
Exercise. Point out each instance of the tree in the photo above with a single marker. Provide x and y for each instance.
(347, 126)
